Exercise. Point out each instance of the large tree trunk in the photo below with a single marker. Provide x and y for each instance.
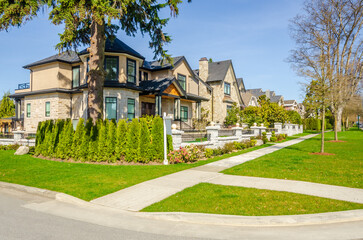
(322, 130)
(96, 74)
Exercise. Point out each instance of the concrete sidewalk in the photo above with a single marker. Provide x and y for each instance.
(144, 194)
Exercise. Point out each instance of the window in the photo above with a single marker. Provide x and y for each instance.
(111, 107)
(184, 113)
(131, 71)
(146, 76)
(47, 109)
(75, 76)
(182, 80)
(111, 68)
(28, 110)
(140, 75)
(227, 88)
(130, 108)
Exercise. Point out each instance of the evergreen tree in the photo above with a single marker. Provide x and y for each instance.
(121, 139)
(93, 144)
(157, 133)
(145, 154)
(133, 138)
(47, 143)
(102, 137)
(110, 142)
(65, 141)
(7, 106)
(77, 138)
(55, 137)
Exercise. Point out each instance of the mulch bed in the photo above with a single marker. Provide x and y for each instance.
(336, 141)
(323, 154)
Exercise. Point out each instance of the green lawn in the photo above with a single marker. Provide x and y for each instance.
(85, 181)
(217, 199)
(345, 168)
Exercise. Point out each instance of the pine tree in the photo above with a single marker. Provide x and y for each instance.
(133, 138)
(77, 138)
(121, 139)
(55, 137)
(65, 141)
(157, 133)
(47, 142)
(93, 144)
(145, 154)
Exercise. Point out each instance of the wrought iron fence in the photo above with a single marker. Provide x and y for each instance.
(247, 132)
(23, 86)
(226, 132)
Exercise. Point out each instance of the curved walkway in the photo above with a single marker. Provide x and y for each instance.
(144, 194)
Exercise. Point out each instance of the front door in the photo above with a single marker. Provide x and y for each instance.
(147, 109)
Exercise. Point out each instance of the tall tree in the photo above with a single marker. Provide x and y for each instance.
(312, 56)
(89, 22)
(7, 106)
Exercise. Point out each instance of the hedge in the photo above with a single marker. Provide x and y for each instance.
(140, 140)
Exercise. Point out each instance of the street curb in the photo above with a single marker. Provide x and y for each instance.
(257, 221)
(62, 197)
(204, 218)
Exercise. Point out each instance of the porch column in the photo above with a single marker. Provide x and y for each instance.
(158, 110)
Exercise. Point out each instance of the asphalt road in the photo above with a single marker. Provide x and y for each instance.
(26, 216)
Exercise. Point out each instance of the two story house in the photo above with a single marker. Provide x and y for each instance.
(220, 76)
(133, 87)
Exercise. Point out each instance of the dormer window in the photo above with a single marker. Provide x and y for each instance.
(111, 68)
(182, 80)
(227, 88)
(131, 71)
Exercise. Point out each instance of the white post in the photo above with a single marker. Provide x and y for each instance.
(165, 162)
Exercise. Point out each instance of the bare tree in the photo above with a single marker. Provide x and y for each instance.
(312, 56)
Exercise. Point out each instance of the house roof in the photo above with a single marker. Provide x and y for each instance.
(289, 102)
(246, 98)
(257, 92)
(240, 83)
(160, 65)
(276, 98)
(117, 46)
(66, 57)
(218, 70)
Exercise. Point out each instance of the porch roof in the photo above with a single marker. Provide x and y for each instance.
(158, 86)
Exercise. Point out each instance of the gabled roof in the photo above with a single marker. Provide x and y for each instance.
(276, 98)
(257, 92)
(246, 97)
(160, 85)
(160, 65)
(289, 102)
(218, 70)
(66, 57)
(196, 74)
(240, 83)
(117, 46)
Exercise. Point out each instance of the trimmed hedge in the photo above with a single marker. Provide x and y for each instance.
(140, 140)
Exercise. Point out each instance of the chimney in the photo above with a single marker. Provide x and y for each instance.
(268, 95)
(203, 68)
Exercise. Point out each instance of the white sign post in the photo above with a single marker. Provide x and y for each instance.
(165, 162)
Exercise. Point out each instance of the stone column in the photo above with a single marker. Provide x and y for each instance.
(177, 137)
(18, 135)
(278, 127)
(212, 132)
(238, 132)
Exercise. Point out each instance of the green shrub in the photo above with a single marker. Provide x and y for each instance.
(217, 151)
(188, 154)
(145, 154)
(121, 139)
(133, 138)
(228, 147)
(208, 152)
(65, 141)
(157, 141)
(77, 139)
(169, 140)
(273, 137)
(110, 142)
(102, 141)
(93, 144)
(264, 138)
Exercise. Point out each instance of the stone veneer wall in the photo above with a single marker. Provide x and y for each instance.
(122, 96)
(59, 109)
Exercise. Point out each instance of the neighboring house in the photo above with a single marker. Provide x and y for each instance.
(247, 98)
(301, 109)
(133, 87)
(291, 105)
(279, 99)
(220, 76)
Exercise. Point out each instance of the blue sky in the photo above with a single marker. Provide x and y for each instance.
(254, 34)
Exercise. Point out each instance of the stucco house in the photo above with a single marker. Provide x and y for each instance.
(133, 87)
(220, 76)
(247, 98)
(291, 105)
